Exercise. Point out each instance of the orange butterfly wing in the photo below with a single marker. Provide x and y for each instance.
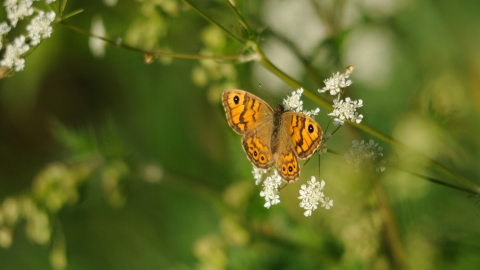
(304, 132)
(245, 111)
(299, 137)
(247, 114)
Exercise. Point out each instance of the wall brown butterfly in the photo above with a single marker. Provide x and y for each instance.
(271, 136)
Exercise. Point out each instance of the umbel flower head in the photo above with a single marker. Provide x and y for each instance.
(258, 175)
(362, 152)
(18, 10)
(39, 28)
(4, 29)
(294, 103)
(270, 189)
(311, 195)
(346, 110)
(337, 82)
(13, 53)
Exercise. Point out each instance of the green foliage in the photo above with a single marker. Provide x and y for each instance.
(140, 170)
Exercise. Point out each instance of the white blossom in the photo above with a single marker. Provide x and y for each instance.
(346, 110)
(326, 202)
(294, 103)
(361, 152)
(40, 28)
(258, 174)
(4, 28)
(18, 10)
(336, 83)
(312, 112)
(50, 1)
(311, 195)
(270, 189)
(13, 52)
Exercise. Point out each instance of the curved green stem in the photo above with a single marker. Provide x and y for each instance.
(421, 176)
(265, 62)
(154, 53)
(243, 22)
(212, 21)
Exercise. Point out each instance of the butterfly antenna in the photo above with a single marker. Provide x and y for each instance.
(260, 85)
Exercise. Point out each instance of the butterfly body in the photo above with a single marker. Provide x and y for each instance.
(271, 137)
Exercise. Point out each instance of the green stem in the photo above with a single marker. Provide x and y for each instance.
(438, 166)
(243, 22)
(336, 129)
(311, 71)
(421, 176)
(328, 125)
(153, 53)
(64, 4)
(290, 81)
(393, 240)
(212, 21)
(73, 13)
(433, 180)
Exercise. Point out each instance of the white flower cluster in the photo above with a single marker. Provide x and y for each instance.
(270, 189)
(346, 110)
(258, 174)
(312, 195)
(39, 28)
(18, 10)
(294, 103)
(337, 82)
(361, 152)
(4, 29)
(12, 58)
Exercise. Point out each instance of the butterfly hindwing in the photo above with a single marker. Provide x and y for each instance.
(287, 160)
(287, 165)
(257, 145)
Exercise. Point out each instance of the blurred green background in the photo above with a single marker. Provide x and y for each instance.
(161, 181)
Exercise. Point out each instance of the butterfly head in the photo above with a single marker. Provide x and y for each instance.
(280, 109)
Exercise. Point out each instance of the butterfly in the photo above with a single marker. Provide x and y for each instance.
(271, 137)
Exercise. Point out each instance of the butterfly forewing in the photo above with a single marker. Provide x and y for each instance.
(245, 111)
(304, 133)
